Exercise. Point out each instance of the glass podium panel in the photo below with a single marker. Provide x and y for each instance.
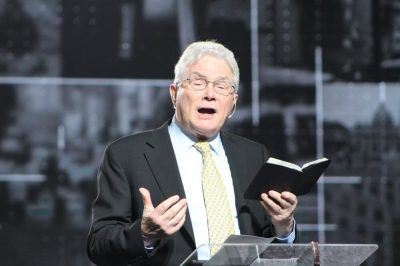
(284, 255)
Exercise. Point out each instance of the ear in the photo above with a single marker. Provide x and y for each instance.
(235, 97)
(233, 106)
(173, 90)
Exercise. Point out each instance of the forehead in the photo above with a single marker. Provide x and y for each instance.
(210, 66)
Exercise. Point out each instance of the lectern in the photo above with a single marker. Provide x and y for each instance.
(245, 254)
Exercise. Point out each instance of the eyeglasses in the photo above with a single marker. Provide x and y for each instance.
(221, 87)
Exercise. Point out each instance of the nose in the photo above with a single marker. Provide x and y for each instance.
(209, 91)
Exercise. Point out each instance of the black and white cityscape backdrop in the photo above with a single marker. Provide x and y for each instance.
(318, 78)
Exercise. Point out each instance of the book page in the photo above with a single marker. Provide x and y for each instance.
(314, 162)
(283, 163)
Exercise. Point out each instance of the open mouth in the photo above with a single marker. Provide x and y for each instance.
(206, 111)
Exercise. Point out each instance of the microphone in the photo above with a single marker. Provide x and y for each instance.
(233, 110)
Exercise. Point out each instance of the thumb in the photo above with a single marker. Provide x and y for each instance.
(147, 203)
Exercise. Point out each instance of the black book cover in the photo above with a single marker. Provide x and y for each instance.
(282, 176)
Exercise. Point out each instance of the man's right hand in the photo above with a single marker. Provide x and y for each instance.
(163, 220)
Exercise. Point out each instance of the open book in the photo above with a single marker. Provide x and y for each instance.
(281, 176)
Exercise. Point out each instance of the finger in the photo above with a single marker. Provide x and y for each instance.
(274, 194)
(265, 206)
(175, 209)
(288, 200)
(178, 221)
(166, 204)
(180, 212)
(174, 228)
(146, 197)
(276, 197)
(269, 204)
(289, 197)
(172, 224)
(280, 199)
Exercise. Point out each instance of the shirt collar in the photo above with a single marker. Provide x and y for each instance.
(184, 141)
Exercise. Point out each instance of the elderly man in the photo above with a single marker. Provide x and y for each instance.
(164, 192)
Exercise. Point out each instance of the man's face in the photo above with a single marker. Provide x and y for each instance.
(203, 113)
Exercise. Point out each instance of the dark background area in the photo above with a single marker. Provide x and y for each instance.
(75, 75)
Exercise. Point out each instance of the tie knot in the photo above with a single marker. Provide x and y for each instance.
(202, 146)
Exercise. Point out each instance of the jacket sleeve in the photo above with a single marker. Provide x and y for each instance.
(114, 238)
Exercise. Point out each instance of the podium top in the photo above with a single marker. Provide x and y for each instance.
(245, 254)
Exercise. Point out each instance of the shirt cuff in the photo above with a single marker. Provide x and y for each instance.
(150, 247)
(289, 239)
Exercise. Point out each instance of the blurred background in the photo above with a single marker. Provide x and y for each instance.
(318, 78)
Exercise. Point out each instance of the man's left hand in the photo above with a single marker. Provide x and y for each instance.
(280, 206)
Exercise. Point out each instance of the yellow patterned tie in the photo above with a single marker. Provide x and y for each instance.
(219, 215)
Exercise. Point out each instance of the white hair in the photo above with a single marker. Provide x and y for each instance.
(197, 50)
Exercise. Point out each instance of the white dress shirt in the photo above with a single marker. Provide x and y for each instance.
(190, 164)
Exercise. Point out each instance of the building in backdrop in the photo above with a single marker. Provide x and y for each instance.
(75, 75)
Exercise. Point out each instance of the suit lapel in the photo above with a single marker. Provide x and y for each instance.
(233, 154)
(239, 171)
(162, 161)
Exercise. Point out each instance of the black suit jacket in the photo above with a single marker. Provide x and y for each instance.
(147, 160)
